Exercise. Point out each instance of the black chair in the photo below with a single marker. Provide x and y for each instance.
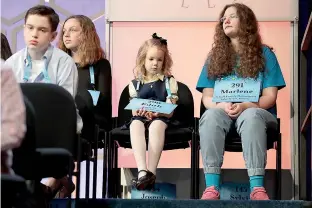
(13, 187)
(96, 121)
(233, 143)
(175, 138)
(25, 157)
(55, 122)
(23, 161)
(88, 136)
(93, 136)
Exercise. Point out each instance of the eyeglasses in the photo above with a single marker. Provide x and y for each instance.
(232, 16)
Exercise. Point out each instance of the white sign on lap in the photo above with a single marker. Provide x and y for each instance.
(151, 105)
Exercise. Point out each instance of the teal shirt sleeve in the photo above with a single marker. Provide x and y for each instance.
(203, 80)
(273, 76)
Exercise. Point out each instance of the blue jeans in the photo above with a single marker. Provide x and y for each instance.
(251, 125)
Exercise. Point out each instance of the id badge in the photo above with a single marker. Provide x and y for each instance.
(95, 96)
(233, 89)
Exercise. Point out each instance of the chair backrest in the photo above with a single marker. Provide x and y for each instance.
(25, 155)
(123, 115)
(103, 109)
(202, 109)
(85, 106)
(184, 113)
(56, 118)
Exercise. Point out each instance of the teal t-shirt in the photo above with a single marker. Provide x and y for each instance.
(272, 76)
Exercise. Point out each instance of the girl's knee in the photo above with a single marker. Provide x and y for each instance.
(157, 125)
(251, 113)
(136, 124)
(212, 114)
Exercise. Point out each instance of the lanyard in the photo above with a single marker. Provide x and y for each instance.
(28, 67)
(169, 95)
(91, 71)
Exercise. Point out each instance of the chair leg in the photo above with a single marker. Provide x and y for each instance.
(104, 189)
(114, 171)
(112, 180)
(197, 168)
(78, 168)
(109, 166)
(193, 166)
(89, 149)
(95, 161)
(70, 179)
(278, 183)
(118, 173)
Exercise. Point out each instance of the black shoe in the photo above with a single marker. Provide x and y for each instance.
(145, 182)
(148, 187)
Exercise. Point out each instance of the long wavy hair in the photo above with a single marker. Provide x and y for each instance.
(139, 70)
(90, 50)
(223, 58)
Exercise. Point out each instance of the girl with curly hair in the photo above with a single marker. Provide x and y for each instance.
(152, 76)
(239, 84)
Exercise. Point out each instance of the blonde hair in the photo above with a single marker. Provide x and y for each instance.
(139, 70)
(90, 50)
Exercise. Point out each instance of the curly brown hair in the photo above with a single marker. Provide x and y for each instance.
(222, 58)
(90, 48)
(139, 70)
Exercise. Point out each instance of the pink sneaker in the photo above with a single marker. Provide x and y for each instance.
(259, 193)
(211, 193)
